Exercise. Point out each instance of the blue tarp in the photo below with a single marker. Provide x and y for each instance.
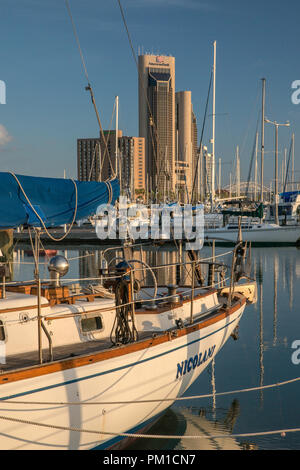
(289, 196)
(54, 199)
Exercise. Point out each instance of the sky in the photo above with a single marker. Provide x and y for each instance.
(47, 107)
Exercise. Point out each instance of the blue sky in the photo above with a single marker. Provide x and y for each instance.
(47, 107)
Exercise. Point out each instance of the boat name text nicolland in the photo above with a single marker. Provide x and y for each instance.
(194, 361)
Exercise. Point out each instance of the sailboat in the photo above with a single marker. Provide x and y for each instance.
(88, 367)
(257, 228)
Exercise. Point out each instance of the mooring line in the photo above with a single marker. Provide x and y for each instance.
(126, 402)
(149, 436)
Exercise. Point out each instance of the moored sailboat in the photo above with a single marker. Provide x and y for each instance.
(87, 366)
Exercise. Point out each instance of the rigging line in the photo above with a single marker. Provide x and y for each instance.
(89, 87)
(249, 123)
(92, 163)
(288, 165)
(202, 132)
(143, 88)
(147, 436)
(77, 40)
(95, 149)
(252, 156)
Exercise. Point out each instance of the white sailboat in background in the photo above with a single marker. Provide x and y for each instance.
(278, 225)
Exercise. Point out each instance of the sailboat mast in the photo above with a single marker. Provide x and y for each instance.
(117, 125)
(238, 172)
(262, 140)
(219, 185)
(213, 130)
(293, 161)
(255, 173)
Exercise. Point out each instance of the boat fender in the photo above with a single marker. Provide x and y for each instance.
(179, 323)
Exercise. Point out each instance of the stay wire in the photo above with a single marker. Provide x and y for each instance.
(202, 132)
(89, 87)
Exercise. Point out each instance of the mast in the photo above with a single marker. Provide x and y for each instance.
(117, 125)
(255, 172)
(284, 163)
(213, 131)
(276, 125)
(238, 172)
(293, 161)
(262, 140)
(220, 163)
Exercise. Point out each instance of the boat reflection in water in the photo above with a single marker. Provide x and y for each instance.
(191, 422)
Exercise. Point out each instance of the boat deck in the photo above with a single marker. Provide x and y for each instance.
(76, 350)
(31, 359)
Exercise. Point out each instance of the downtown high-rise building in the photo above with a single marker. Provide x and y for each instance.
(132, 157)
(97, 157)
(186, 168)
(169, 126)
(157, 122)
(100, 159)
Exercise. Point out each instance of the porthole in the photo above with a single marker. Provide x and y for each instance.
(91, 324)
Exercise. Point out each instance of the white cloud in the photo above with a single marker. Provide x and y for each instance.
(5, 138)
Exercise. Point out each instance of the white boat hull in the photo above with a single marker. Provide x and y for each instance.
(271, 234)
(157, 371)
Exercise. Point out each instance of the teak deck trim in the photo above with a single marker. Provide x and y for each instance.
(19, 309)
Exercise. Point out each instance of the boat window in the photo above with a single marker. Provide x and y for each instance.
(91, 324)
(2, 331)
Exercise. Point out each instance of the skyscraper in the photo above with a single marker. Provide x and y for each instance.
(96, 161)
(132, 156)
(186, 148)
(96, 157)
(157, 121)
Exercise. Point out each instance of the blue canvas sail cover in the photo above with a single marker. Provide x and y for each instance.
(55, 200)
(289, 196)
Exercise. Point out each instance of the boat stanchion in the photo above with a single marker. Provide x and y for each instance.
(4, 273)
(37, 233)
(193, 293)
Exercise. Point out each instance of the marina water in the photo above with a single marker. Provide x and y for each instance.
(261, 354)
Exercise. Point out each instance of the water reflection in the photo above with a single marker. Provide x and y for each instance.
(188, 423)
